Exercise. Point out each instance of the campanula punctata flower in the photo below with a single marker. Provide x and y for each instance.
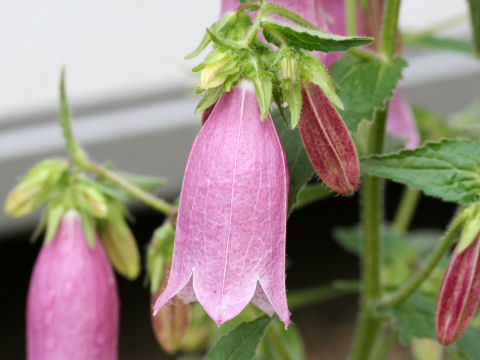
(231, 226)
(72, 306)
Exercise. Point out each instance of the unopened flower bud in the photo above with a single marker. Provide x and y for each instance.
(289, 69)
(92, 200)
(72, 306)
(119, 244)
(34, 187)
(459, 294)
(209, 78)
(171, 322)
(328, 142)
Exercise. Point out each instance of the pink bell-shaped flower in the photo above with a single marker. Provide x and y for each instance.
(72, 306)
(231, 226)
(459, 294)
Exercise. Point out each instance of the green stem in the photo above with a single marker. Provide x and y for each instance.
(389, 28)
(384, 344)
(147, 198)
(276, 342)
(412, 285)
(351, 16)
(406, 210)
(369, 324)
(304, 297)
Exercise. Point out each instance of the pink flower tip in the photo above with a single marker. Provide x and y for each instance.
(231, 226)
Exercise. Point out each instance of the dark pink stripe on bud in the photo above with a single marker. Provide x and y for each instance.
(327, 141)
(459, 294)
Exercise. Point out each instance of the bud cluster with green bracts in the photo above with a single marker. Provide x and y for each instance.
(281, 59)
(278, 63)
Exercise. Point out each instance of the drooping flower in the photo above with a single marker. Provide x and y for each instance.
(400, 122)
(459, 294)
(72, 306)
(230, 235)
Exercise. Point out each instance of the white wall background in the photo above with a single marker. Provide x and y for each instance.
(130, 86)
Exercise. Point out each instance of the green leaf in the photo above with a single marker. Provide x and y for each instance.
(448, 169)
(311, 193)
(299, 166)
(311, 39)
(415, 318)
(279, 343)
(240, 343)
(293, 96)
(211, 96)
(365, 86)
(475, 15)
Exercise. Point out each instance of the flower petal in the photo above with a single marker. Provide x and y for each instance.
(232, 214)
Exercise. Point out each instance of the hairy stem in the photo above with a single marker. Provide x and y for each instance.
(136, 192)
(406, 210)
(369, 324)
(351, 16)
(413, 284)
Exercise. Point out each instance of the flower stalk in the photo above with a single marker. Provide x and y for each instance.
(370, 324)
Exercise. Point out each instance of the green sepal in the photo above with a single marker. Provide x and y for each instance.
(159, 252)
(254, 70)
(314, 71)
(88, 225)
(36, 187)
(471, 227)
(206, 40)
(311, 39)
(90, 199)
(219, 40)
(54, 214)
(119, 242)
(293, 96)
(211, 96)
